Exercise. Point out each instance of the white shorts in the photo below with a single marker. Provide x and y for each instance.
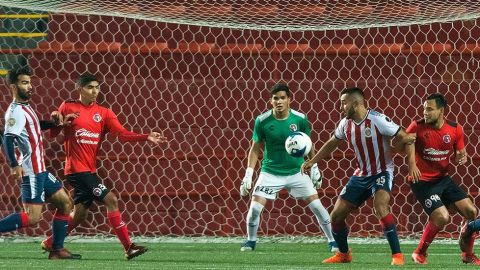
(298, 185)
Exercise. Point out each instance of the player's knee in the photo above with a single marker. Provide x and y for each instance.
(253, 215)
(335, 217)
(381, 211)
(341, 211)
(79, 216)
(440, 219)
(62, 202)
(254, 212)
(471, 213)
(111, 201)
(65, 206)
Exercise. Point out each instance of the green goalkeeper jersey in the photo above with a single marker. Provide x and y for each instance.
(273, 133)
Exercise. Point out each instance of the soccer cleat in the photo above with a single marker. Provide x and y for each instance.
(63, 254)
(470, 259)
(332, 246)
(397, 259)
(248, 245)
(340, 257)
(419, 258)
(46, 246)
(134, 251)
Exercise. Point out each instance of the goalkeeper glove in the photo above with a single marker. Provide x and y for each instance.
(246, 182)
(316, 176)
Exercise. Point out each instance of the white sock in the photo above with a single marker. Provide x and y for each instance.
(253, 220)
(323, 218)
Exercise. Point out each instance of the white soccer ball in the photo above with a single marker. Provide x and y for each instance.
(298, 144)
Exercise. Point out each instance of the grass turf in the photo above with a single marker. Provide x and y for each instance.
(222, 256)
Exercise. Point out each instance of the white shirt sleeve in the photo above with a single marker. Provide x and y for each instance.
(340, 130)
(15, 121)
(386, 126)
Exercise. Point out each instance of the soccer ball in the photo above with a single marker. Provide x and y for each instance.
(298, 144)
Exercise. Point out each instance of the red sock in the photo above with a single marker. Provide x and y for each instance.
(387, 221)
(429, 234)
(71, 226)
(470, 243)
(24, 218)
(118, 226)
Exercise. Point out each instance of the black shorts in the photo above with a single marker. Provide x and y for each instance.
(432, 195)
(87, 187)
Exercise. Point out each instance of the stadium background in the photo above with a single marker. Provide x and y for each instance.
(203, 86)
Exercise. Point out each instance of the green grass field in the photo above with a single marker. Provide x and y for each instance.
(222, 256)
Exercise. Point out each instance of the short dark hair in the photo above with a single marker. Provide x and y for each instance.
(439, 100)
(279, 87)
(13, 74)
(85, 79)
(353, 90)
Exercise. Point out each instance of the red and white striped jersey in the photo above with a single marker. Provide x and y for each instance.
(370, 140)
(22, 122)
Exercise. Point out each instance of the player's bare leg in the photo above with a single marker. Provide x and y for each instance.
(323, 219)
(115, 220)
(253, 222)
(381, 203)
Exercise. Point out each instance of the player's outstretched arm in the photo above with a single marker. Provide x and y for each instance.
(253, 154)
(323, 153)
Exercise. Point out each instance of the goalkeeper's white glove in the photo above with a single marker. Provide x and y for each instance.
(246, 182)
(316, 176)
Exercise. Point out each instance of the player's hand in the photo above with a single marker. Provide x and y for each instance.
(306, 167)
(57, 118)
(246, 184)
(18, 172)
(156, 138)
(68, 119)
(410, 138)
(316, 176)
(461, 157)
(413, 174)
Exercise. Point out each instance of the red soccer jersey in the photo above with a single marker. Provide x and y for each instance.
(434, 147)
(84, 136)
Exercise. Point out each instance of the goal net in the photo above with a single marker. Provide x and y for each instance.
(200, 72)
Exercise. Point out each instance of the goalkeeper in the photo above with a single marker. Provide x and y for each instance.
(280, 170)
(82, 142)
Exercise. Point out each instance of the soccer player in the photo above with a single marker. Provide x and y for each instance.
(280, 170)
(82, 141)
(428, 160)
(23, 136)
(369, 133)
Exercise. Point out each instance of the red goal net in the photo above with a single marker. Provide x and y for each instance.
(163, 68)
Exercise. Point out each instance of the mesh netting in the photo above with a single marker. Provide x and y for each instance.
(203, 86)
(270, 14)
